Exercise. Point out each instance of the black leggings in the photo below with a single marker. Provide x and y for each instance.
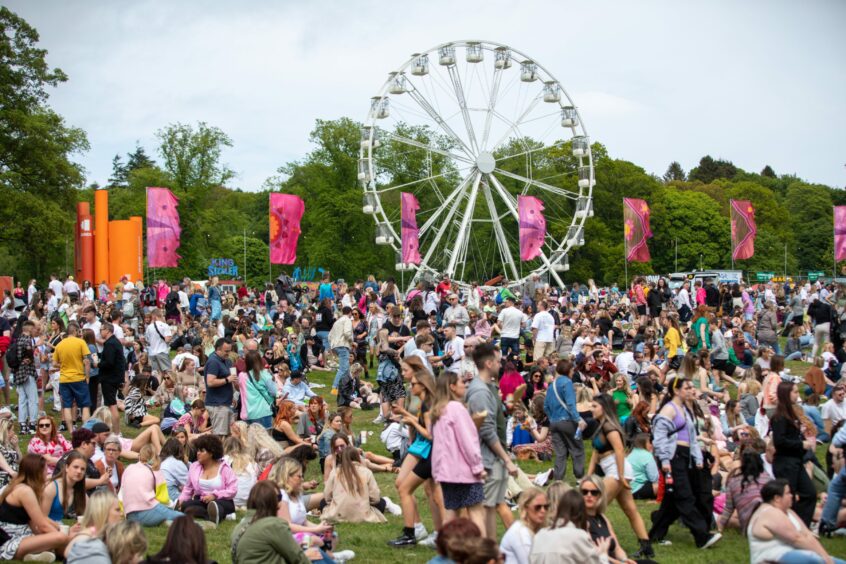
(792, 469)
(199, 508)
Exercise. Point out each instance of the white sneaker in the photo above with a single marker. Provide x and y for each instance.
(420, 532)
(343, 556)
(230, 517)
(379, 419)
(392, 507)
(40, 557)
(429, 541)
(712, 541)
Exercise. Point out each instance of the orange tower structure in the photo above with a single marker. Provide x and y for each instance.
(138, 221)
(123, 250)
(101, 237)
(84, 255)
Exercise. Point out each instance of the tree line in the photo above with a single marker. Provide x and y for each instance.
(41, 183)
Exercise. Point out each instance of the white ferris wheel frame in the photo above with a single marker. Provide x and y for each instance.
(483, 168)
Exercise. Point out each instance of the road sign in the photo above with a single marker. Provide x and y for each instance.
(815, 275)
(765, 276)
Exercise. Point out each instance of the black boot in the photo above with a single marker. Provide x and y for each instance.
(645, 550)
(405, 539)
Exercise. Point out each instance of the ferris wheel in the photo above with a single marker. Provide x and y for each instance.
(467, 127)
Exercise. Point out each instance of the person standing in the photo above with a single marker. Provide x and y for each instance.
(677, 449)
(73, 359)
(484, 405)
(457, 314)
(683, 304)
(565, 423)
(790, 448)
(510, 323)
(453, 349)
(112, 371)
(158, 336)
(543, 331)
(25, 377)
(340, 342)
(219, 376)
(214, 299)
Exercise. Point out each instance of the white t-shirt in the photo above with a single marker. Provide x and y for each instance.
(454, 349)
(516, 543)
(829, 359)
(157, 345)
(184, 302)
(57, 288)
(119, 334)
(296, 509)
(510, 321)
(834, 411)
(95, 327)
(71, 287)
(545, 324)
(623, 360)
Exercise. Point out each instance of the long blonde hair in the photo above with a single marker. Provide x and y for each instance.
(258, 439)
(282, 472)
(237, 453)
(125, 541)
(97, 509)
(103, 414)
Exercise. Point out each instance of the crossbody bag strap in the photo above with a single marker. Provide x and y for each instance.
(561, 401)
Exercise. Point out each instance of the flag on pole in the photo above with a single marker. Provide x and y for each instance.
(743, 229)
(409, 231)
(839, 232)
(532, 225)
(286, 211)
(637, 231)
(163, 231)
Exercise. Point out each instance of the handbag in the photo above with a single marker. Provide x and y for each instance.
(162, 496)
(421, 448)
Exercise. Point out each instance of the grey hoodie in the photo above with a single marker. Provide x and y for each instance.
(89, 551)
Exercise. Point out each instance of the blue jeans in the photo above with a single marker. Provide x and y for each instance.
(508, 344)
(155, 516)
(836, 493)
(266, 421)
(343, 365)
(804, 557)
(28, 401)
(324, 337)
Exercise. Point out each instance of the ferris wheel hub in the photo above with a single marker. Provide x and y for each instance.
(485, 162)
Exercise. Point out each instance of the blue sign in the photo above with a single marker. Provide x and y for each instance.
(222, 267)
(307, 274)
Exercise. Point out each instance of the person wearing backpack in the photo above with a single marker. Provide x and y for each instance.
(21, 357)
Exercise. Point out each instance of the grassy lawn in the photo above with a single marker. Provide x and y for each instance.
(368, 540)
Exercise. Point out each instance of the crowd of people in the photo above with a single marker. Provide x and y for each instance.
(680, 396)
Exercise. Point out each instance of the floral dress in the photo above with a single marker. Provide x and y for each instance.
(56, 449)
(13, 458)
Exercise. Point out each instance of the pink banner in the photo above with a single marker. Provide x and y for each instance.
(532, 226)
(743, 229)
(840, 232)
(636, 229)
(409, 232)
(286, 211)
(163, 229)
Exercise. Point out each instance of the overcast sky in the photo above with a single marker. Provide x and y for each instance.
(755, 82)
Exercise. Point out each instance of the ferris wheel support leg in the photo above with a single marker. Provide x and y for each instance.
(499, 234)
(460, 242)
(510, 204)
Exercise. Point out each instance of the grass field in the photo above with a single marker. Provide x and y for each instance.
(368, 540)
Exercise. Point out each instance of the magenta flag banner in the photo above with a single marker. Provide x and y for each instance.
(636, 229)
(743, 229)
(840, 232)
(286, 211)
(163, 229)
(409, 231)
(532, 226)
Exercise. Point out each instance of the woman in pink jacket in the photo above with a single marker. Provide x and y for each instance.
(212, 485)
(456, 452)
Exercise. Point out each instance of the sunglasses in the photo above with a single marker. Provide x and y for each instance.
(592, 493)
(44, 425)
(539, 506)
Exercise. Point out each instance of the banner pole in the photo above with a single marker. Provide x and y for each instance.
(834, 248)
(625, 259)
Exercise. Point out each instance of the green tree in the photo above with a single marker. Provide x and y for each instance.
(38, 179)
(674, 172)
(710, 169)
(768, 172)
(810, 209)
(192, 155)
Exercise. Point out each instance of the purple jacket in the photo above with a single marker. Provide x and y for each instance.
(192, 487)
(456, 451)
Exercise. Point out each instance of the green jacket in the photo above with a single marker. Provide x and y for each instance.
(267, 541)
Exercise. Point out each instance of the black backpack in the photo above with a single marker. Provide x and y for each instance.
(13, 358)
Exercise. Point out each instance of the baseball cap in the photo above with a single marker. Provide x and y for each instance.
(100, 427)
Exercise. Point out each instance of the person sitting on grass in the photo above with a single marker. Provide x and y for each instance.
(141, 483)
(83, 442)
(64, 497)
(185, 542)
(246, 470)
(352, 495)
(130, 447)
(118, 543)
(103, 509)
(284, 426)
(31, 533)
(135, 404)
(196, 421)
(211, 485)
(262, 537)
(48, 443)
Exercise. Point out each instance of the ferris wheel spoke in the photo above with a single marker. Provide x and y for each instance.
(542, 185)
(461, 237)
(499, 233)
(455, 78)
(535, 150)
(423, 103)
(426, 147)
(497, 79)
(447, 222)
(516, 124)
(455, 194)
(412, 183)
(511, 204)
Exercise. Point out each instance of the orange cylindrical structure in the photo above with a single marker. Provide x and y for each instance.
(123, 250)
(101, 237)
(82, 210)
(136, 220)
(86, 242)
